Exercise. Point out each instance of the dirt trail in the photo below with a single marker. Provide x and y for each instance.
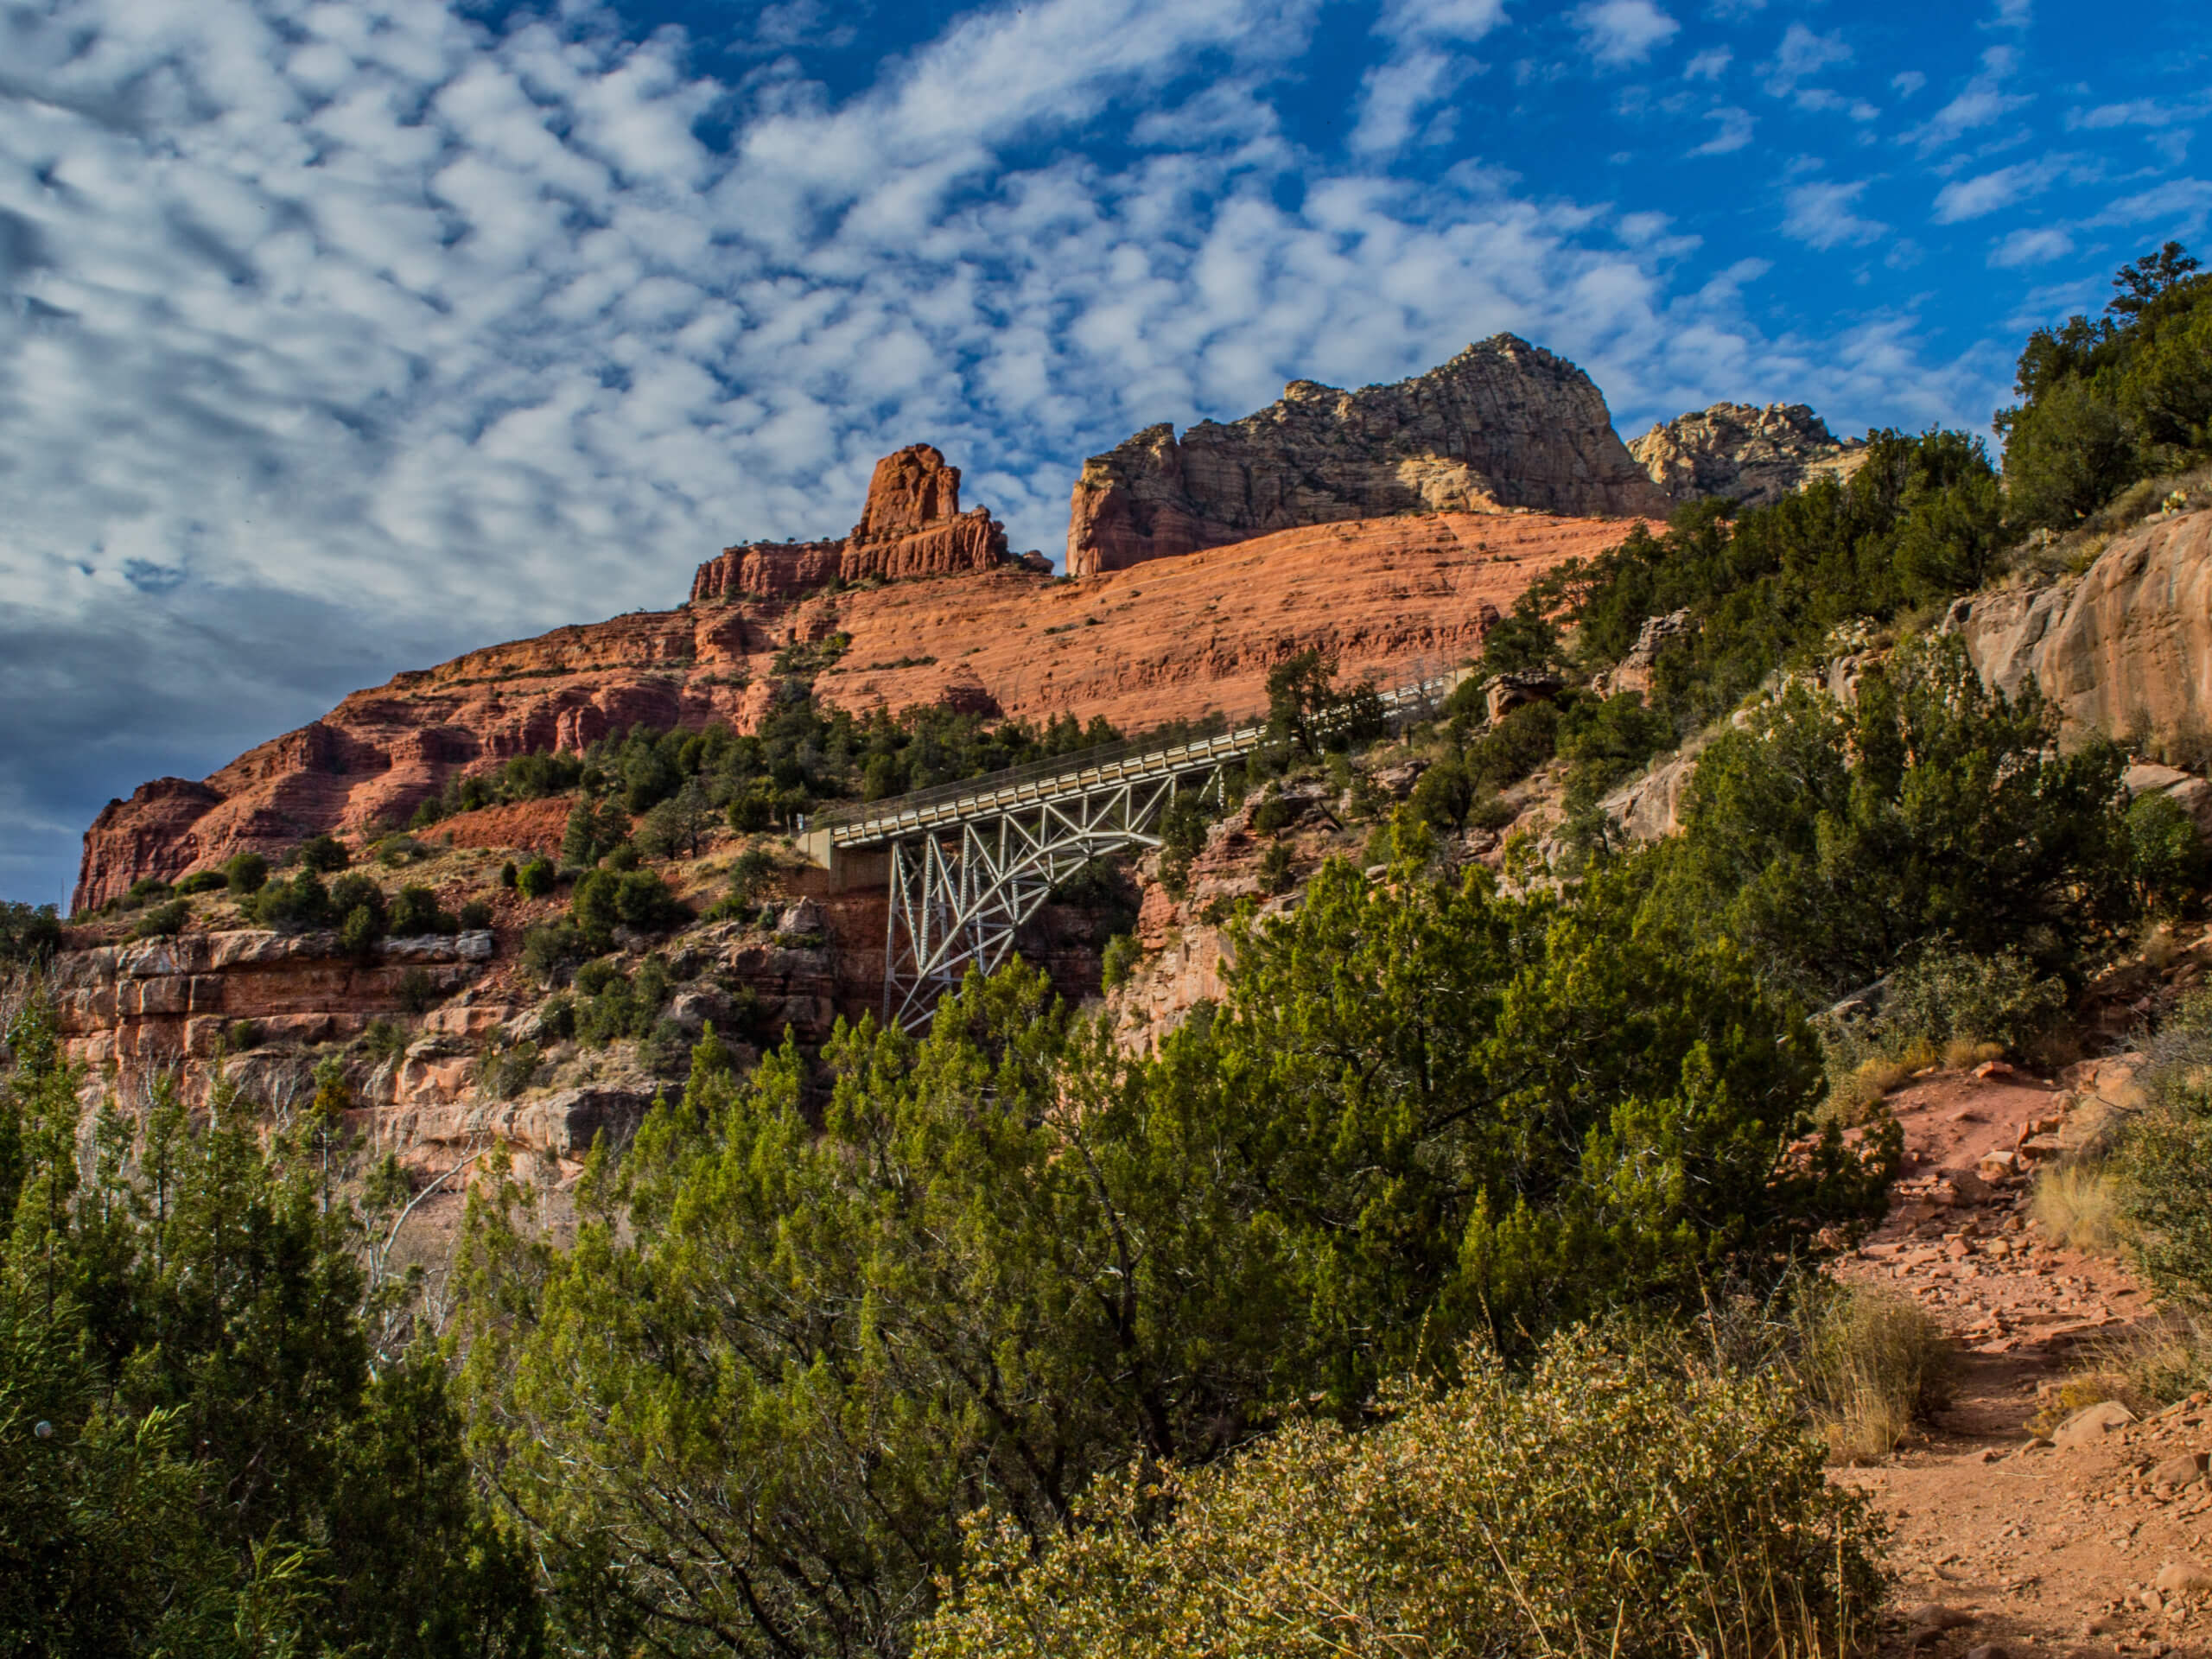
(2045, 1548)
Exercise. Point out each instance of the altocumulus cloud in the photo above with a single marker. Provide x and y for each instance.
(337, 337)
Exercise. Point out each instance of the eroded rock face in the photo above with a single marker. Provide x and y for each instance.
(911, 526)
(1504, 424)
(1756, 455)
(2126, 645)
(1383, 596)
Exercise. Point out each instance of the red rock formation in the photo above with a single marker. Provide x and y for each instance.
(911, 526)
(2128, 642)
(1139, 647)
(1504, 424)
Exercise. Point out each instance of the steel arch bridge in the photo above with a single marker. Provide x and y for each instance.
(968, 863)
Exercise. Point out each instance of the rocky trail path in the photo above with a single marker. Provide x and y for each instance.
(2097, 1538)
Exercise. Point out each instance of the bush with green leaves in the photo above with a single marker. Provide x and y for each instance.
(163, 921)
(202, 881)
(1621, 1497)
(323, 853)
(997, 1262)
(2162, 1162)
(183, 1303)
(637, 899)
(1948, 996)
(293, 906)
(536, 878)
(1122, 955)
(1766, 587)
(1834, 841)
(245, 874)
(146, 890)
(2106, 403)
(2166, 862)
(28, 933)
(414, 911)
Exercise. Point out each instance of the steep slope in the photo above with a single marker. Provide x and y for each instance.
(1139, 648)
(1504, 424)
(1756, 455)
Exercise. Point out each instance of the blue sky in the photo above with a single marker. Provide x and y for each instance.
(338, 338)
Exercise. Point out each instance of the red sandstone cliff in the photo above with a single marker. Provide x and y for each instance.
(911, 526)
(1139, 647)
(1504, 424)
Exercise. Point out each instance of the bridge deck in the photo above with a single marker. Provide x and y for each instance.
(1068, 777)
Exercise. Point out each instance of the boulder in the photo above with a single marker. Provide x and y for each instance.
(2089, 1426)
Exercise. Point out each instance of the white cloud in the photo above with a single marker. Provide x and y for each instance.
(2030, 247)
(2140, 113)
(1735, 131)
(1396, 97)
(1709, 65)
(1964, 198)
(1907, 82)
(1802, 54)
(334, 339)
(1617, 32)
(2013, 14)
(1981, 102)
(1820, 215)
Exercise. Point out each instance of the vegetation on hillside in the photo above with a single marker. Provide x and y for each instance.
(1387, 1299)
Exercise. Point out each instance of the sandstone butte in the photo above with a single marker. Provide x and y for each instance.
(1139, 647)
(1504, 424)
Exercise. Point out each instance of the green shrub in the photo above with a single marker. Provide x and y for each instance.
(1276, 872)
(416, 912)
(510, 875)
(418, 991)
(354, 891)
(1121, 955)
(1619, 1498)
(511, 1071)
(2161, 1170)
(245, 874)
(475, 915)
(1513, 747)
(396, 850)
(1272, 813)
(549, 948)
(323, 853)
(162, 920)
(1833, 842)
(2165, 853)
(536, 879)
(146, 890)
(28, 933)
(294, 905)
(358, 933)
(200, 882)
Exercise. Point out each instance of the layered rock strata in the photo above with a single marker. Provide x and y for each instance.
(911, 526)
(1139, 647)
(1504, 424)
(1755, 456)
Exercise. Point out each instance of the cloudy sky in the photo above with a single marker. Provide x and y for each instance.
(336, 338)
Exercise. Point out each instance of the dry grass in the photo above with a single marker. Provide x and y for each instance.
(1854, 1092)
(2075, 1204)
(1872, 1363)
(2144, 1368)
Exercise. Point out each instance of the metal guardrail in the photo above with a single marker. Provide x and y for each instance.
(1076, 773)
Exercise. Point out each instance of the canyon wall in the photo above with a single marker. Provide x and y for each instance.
(1504, 424)
(1138, 647)
(1755, 456)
